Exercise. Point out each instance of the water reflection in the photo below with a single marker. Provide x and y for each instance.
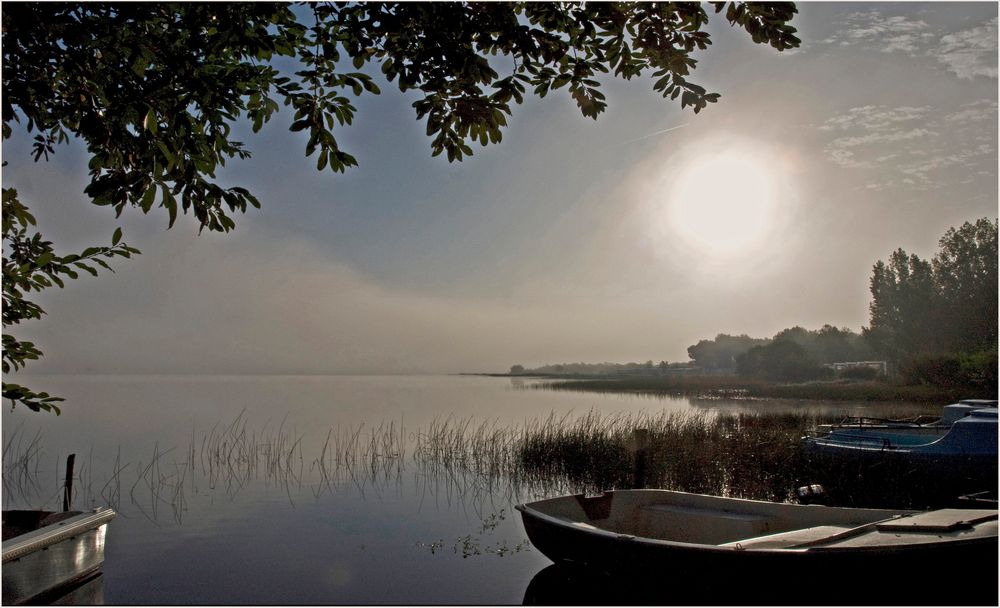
(89, 592)
(568, 585)
(477, 464)
(565, 585)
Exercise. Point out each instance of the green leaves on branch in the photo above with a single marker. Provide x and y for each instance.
(444, 51)
(766, 22)
(30, 265)
(155, 89)
(35, 401)
(152, 90)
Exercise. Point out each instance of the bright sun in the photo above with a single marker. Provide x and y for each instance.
(723, 205)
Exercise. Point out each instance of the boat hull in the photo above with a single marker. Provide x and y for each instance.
(625, 554)
(664, 568)
(57, 556)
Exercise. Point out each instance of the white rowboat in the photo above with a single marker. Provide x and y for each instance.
(662, 535)
(53, 552)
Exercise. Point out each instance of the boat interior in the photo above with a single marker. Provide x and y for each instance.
(950, 414)
(18, 522)
(973, 432)
(747, 524)
(701, 519)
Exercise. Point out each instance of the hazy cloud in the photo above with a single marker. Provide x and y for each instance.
(873, 118)
(909, 146)
(972, 52)
(979, 111)
(968, 53)
(888, 137)
(889, 33)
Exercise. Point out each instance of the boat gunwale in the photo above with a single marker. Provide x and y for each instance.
(46, 536)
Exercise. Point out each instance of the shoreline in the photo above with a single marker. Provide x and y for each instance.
(735, 387)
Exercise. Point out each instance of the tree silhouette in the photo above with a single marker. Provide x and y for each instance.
(945, 306)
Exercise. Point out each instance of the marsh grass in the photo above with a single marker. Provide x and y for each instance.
(369, 459)
(746, 455)
(754, 455)
(741, 455)
(22, 455)
(482, 465)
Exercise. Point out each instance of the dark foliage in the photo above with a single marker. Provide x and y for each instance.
(940, 308)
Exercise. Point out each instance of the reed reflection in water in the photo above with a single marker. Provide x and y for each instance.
(463, 460)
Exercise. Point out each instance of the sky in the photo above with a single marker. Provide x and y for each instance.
(628, 238)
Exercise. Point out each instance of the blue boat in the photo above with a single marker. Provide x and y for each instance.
(910, 463)
(966, 433)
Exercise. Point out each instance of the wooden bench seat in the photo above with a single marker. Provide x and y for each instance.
(787, 540)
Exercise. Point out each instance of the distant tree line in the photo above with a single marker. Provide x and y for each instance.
(934, 322)
(602, 369)
(792, 354)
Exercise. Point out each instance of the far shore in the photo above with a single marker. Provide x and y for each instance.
(737, 387)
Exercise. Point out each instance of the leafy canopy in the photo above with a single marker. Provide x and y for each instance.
(155, 89)
(945, 306)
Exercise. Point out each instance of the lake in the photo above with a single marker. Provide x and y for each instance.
(302, 489)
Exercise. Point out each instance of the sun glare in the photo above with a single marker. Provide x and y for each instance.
(723, 205)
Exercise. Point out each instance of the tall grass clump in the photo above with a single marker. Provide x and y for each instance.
(590, 452)
(747, 455)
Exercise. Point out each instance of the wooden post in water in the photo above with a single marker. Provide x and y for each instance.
(68, 485)
(640, 447)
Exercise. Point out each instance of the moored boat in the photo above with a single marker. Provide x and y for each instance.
(968, 435)
(908, 463)
(666, 534)
(880, 431)
(45, 552)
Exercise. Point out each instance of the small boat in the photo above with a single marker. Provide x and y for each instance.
(967, 433)
(908, 463)
(662, 535)
(46, 553)
(922, 429)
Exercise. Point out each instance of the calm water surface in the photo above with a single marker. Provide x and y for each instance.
(298, 490)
